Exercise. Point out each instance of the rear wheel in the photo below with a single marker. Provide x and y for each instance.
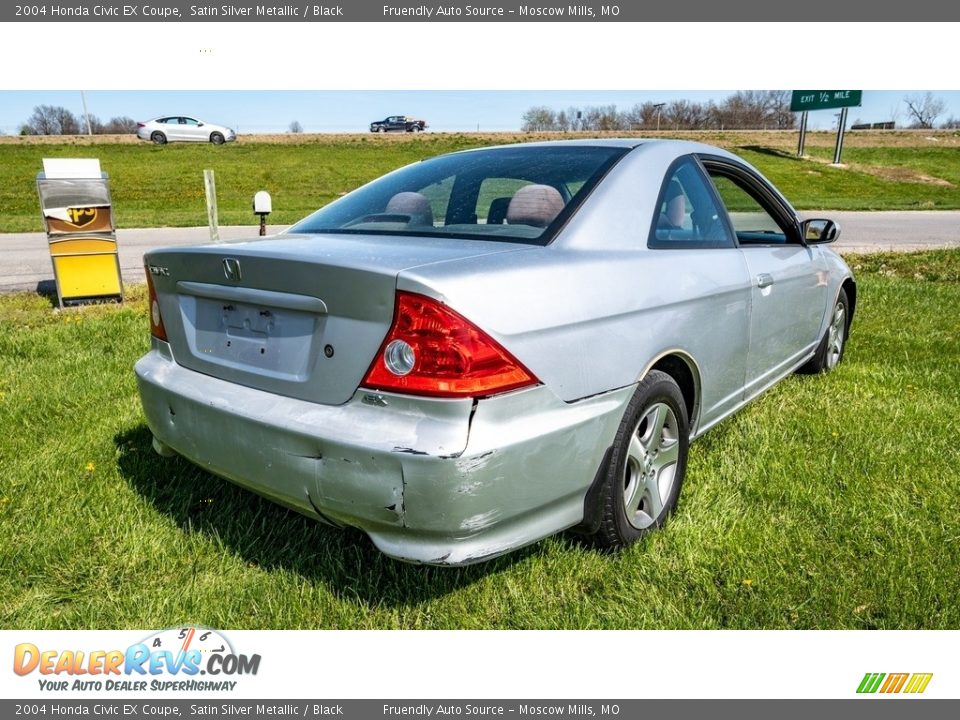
(216, 138)
(158, 138)
(647, 464)
(834, 342)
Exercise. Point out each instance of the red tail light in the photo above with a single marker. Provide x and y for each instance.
(156, 321)
(432, 350)
(141, 125)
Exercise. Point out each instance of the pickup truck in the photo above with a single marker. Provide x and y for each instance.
(398, 123)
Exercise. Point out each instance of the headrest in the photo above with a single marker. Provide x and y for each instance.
(676, 204)
(413, 204)
(536, 205)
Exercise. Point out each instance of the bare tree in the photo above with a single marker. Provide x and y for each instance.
(120, 125)
(951, 123)
(50, 120)
(924, 109)
(778, 110)
(538, 119)
(295, 127)
(602, 118)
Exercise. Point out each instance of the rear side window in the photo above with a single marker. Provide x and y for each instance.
(513, 194)
(688, 213)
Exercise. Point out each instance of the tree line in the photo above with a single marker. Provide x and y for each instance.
(743, 110)
(58, 120)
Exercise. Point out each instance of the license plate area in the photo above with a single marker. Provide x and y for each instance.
(277, 342)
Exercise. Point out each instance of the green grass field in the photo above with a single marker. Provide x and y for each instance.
(163, 186)
(831, 502)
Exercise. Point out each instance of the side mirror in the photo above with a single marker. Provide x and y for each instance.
(820, 231)
(199, 124)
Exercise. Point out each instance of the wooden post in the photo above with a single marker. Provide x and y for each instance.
(839, 148)
(803, 133)
(210, 186)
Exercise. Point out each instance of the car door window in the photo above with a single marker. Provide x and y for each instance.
(752, 223)
(191, 121)
(688, 214)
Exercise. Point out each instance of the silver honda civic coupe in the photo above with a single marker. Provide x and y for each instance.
(485, 348)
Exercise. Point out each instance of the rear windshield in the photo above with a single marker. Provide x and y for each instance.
(518, 194)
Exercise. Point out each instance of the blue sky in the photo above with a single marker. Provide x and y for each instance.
(336, 111)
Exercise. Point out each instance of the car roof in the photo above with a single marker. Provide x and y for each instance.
(679, 147)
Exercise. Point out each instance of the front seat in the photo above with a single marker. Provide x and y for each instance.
(413, 204)
(536, 205)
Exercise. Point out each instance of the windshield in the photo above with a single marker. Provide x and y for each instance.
(515, 194)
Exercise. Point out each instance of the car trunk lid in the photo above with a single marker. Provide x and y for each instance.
(298, 315)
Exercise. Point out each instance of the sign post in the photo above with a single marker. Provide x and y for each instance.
(803, 133)
(210, 189)
(806, 100)
(840, 128)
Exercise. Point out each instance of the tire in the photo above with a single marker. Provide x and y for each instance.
(381, 129)
(158, 138)
(830, 350)
(417, 128)
(216, 138)
(647, 463)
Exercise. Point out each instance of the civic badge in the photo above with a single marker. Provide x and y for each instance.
(231, 268)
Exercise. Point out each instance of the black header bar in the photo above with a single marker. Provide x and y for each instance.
(493, 11)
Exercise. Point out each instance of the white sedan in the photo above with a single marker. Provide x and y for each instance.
(174, 128)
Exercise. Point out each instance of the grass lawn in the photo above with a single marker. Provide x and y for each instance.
(831, 502)
(163, 186)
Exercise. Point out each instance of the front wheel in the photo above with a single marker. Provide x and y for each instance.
(216, 138)
(830, 350)
(647, 463)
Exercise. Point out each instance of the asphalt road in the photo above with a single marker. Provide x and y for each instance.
(25, 259)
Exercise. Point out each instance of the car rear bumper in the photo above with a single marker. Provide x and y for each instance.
(445, 482)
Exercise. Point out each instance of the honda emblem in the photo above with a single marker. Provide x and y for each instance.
(231, 268)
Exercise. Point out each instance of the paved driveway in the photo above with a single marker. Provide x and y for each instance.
(25, 259)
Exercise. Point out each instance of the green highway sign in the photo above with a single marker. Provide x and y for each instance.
(824, 99)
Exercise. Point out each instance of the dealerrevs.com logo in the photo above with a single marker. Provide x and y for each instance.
(179, 659)
(892, 683)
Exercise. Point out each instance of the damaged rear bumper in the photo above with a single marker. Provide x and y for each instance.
(429, 480)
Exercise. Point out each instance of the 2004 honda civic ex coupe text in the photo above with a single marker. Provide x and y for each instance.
(485, 348)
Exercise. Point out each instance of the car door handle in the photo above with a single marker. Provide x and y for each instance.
(764, 280)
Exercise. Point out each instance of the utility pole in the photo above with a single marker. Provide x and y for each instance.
(86, 115)
(659, 106)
